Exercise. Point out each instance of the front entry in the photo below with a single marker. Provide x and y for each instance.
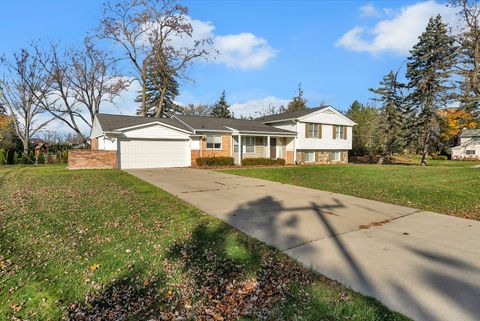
(273, 148)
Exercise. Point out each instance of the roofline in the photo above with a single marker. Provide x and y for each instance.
(177, 118)
(151, 123)
(335, 111)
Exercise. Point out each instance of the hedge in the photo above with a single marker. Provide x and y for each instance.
(439, 157)
(215, 161)
(263, 161)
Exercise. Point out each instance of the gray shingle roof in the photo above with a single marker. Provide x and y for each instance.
(290, 114)
(206, 123)
(111, 122)
(470, 133)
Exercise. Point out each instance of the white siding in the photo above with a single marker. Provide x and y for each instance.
(107, 143)
(467, 143)
(153, 131)
(326, 118)
(195, 143)
(96, 129)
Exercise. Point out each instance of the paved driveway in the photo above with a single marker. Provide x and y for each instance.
(422, 264)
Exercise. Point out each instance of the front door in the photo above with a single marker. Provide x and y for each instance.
(273, 148)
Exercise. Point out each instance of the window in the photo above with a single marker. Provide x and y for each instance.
(249, 144)
(336, 156)
(470, 152)
(309, 157)
(313, 130)
(235, 144)
(339, 132)
(214, 142)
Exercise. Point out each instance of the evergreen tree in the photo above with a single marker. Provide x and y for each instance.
(428, 73)
(221, 108)
(366, 134)
(391, 114)
(161, 88)
(298, 102)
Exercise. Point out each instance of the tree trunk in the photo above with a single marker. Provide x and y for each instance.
(424, 157)
(143, 109)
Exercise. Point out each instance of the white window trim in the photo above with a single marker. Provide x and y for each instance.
(309, 161)
(213, 148)
(315, 125)
(336, 159)
(254, 145)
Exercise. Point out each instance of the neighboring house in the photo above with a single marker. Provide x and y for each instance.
(317, 135)
(41, 147)
(469, 145)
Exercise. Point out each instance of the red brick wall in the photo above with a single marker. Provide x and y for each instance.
(224, 152)
(289, 159)
(195, 154)
(94, 143)
(87, 158)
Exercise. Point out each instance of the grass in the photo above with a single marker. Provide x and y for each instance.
(101, 244)
(448, 187)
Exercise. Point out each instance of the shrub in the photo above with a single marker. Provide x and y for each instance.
(3, 157)
(31, 158)
(215, 161)
(65, 157)
(15, 158)
(440, 157)
(263, 161)
(40, 158)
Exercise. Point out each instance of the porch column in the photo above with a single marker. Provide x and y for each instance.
(268, 147)
(240, 149)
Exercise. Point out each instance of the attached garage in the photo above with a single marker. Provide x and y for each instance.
(145, 153)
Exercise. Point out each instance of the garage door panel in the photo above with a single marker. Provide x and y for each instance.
(137, 153)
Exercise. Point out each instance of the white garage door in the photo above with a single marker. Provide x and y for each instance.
(137, 153)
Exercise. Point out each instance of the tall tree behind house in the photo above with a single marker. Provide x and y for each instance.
(143, 28)
(221, 108)
(391, 115)
(298, 102)
(428, 74)
(366, 136)
(161, 87)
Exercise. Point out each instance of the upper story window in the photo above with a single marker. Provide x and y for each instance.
(313, 130)
(339, 132)
(214, 142)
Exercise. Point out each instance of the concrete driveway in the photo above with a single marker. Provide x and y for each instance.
(422, 264)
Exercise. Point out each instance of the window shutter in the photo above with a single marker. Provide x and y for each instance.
(319, 132)
(307, 128)
(334, 135)
(344, 132)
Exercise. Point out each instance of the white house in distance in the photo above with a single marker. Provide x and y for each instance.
(316, 135)
(469, 145)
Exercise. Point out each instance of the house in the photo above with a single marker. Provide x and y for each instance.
(469, 145)
(316, 135)
(41, 148)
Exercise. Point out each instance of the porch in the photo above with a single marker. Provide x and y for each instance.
(267, 146)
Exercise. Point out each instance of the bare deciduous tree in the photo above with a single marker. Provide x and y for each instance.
(24, 84)
(153, 29)
(81, 80)
(196, 110)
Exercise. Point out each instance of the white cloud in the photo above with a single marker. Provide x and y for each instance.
(244, 51)
(398, 34)
(369, 10)
(250, 107)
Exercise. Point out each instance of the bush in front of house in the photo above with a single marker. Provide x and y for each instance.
(215, 161)
(64, 157)
(40, 158)
(3, 157)
(439, 157)
(263, 161)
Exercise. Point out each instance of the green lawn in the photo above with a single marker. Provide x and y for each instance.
(448, 187)
(103, 244)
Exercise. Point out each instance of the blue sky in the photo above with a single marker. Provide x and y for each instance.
(336, 49)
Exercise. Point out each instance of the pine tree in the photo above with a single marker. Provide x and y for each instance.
(161, 88)
(428, 73)
(391, 114)
(221, 108)
(298, 102)
(366, 134)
